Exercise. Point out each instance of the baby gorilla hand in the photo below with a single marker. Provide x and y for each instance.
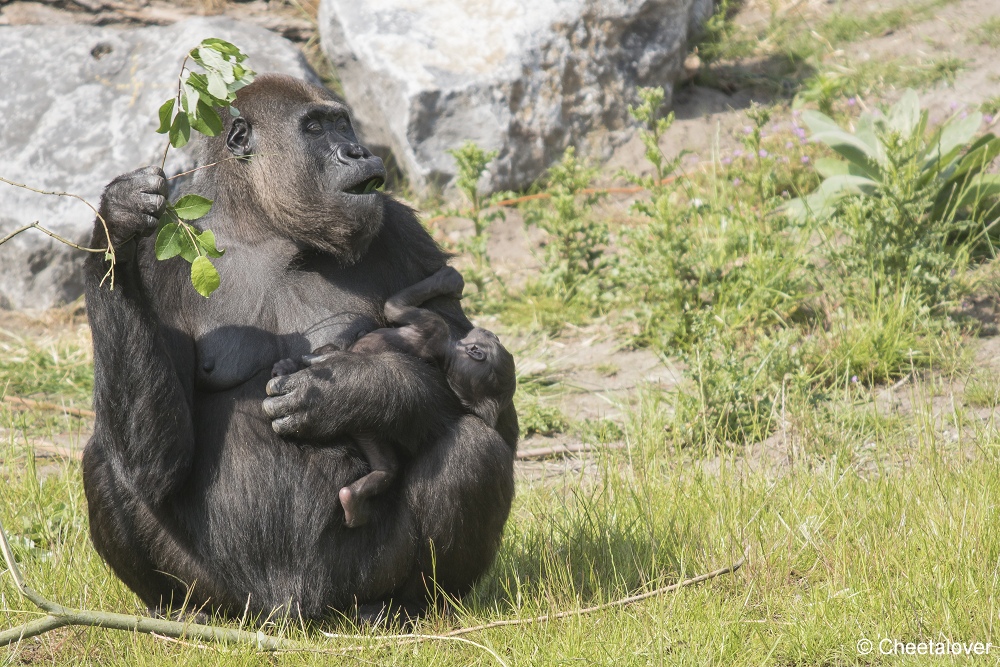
(285, 367)
(449, 281)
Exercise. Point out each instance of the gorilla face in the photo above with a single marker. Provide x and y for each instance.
(304, 143)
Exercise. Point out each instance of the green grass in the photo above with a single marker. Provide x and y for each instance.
(792, 53)
(867, 522)
(988, 32)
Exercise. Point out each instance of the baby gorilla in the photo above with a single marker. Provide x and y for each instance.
(478, 369)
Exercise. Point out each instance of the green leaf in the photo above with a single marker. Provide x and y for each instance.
(217, 85)
(983, 187)
(168, 241)
(204, 277)
(819, 122)
(959, 131)
(206, 240)
(190, 99)
(166, 113)
(829, 166)
(904, 116)
(208, 121)
(224, 47)
(192, 207)
(823, 202)
(855, 150)
(213, 61)
(180, 130)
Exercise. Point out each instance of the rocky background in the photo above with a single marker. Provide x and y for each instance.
(83, 80)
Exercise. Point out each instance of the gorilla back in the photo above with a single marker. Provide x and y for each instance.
(197, 482)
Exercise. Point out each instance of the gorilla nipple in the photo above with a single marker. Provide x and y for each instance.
(208, 365)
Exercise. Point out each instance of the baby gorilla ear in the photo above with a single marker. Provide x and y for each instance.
(475, 352)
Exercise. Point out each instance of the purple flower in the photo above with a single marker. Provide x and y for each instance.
(736, 182)
(727, 160)
(953, 105)
(747, 129)
(800, 133)
(737, 153)
(788, 144)
(851, 101)
(784, 193)
(762, 153)
(804, 159)
(854, 379)
(796, 113)
(988, 118)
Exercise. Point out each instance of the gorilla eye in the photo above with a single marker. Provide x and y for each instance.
(343, 126)
(313, 126)
(475, 352)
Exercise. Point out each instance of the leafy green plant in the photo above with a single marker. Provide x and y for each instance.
(947, 167)
(472, 162)
(577, 243)
(914, 203)
(194, 108)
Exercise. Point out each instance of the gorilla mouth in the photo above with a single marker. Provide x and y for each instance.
(366, 186)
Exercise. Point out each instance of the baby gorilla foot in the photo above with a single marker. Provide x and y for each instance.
(355, 510)
(285, 367)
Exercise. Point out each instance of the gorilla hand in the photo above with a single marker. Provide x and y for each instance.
(133, 203)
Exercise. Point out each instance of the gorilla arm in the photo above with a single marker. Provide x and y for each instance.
(398, 396)
(143, 437)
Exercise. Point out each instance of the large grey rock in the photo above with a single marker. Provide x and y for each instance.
(78, 108)
(525, 77)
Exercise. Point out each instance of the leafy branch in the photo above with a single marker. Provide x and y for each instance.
(109, 250)
(193, 107)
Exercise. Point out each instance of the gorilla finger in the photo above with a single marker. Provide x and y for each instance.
(287, 426)
(153, 203)
(280, 385)
(280, 406)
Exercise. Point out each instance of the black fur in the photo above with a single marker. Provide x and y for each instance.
(190, 484)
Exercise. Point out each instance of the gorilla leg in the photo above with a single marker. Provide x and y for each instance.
(355, 497)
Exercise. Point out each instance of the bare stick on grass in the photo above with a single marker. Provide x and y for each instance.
(58, 616)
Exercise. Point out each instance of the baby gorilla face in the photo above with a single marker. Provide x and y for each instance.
(479, 344)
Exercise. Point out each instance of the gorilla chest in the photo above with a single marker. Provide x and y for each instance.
(234, 345)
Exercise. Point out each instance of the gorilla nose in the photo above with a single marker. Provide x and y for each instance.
(348, 153)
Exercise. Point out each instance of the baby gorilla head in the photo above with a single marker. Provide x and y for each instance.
(481, 373)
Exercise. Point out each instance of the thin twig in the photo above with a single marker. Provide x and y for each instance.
(556, 450)
(600, 607)
(59, 616)
(42, 405)
(232, 157)
(36, 225)
(109, 250)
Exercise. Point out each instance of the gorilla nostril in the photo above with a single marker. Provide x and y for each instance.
(351, 152)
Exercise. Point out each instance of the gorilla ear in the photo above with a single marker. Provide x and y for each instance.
(238, 141)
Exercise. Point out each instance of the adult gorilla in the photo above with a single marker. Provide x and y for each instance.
(189, 481)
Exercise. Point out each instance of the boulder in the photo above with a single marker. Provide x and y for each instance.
(524, 77)
(78, 108)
